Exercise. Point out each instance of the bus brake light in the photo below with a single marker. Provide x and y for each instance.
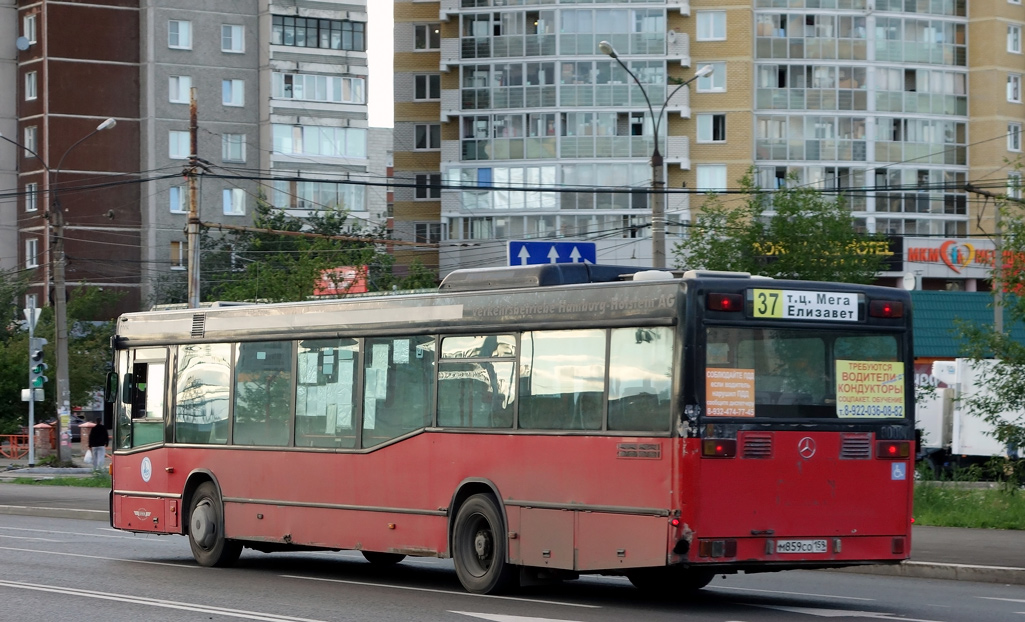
(888, 309)
(893, 450)
(719, 447)
(725, 302)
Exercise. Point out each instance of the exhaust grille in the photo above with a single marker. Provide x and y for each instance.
(757, 446)
(855, 446)
(199, 325)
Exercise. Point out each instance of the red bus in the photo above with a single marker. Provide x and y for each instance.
(529, 423)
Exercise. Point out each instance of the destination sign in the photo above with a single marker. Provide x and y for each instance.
(792, 304)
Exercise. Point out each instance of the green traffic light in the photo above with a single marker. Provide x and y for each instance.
(37, 383)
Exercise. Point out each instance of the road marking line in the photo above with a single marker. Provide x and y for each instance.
(32, 507)
(1010, 600)
(28, 538)
(842, 613)
(77, 533)
(751, 589)
(112, 559)
(448, 592)
(154, 602)
(496, 617)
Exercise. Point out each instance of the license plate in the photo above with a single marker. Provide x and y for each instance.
(801, 546)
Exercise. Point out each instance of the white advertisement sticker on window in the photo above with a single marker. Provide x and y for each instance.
(729, 392)
(869, 389)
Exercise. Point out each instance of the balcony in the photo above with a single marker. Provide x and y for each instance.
(449, 104)
(683, 6)
(680, 102)
(449, 54)
(677, 151)
(677, 47)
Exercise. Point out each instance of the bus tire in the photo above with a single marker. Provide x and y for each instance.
(382, 559)
(479, 547)
(206, 529)
(670, 581)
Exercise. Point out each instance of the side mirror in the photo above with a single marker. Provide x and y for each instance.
(110, 388)
(126, 388)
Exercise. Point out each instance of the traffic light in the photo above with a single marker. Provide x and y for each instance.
(36, 366)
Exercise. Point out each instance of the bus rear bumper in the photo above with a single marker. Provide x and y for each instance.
(802, 552)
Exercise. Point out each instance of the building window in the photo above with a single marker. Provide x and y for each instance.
(179, 146)
(711, 25)
(1014, 88)
(427, 232)
(711, 128)
(318, 88)
(427, 136)
(711, 177)
(31, 197)
(179, 35)
(232, 39)
(179, 199)
(1014, 39)
(30, 142)
(30, 85)
(1015, 184)
(234, 202)
(31, 253)
(178, 89)
(309, 32)
(28, 28)
(337, 142)
(178, 252)
(714, 82)
(427, 37)
(233, 92)
(233, 147)
(427, 87)
(428, 186)
(1014, 136)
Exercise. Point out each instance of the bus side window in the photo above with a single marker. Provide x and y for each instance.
(324, 407)
(201, 393)
(398, 387)
(640, 379)
(562, 379)
(263, 394)
(148, 403)
(476, 381)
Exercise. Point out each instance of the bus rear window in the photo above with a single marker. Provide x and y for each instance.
(806, 374)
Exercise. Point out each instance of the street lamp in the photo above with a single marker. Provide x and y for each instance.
(658, 219)
(63, 396)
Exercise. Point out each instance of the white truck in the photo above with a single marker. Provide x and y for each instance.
(952, 435)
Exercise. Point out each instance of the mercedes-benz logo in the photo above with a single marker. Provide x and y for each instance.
(806, 447)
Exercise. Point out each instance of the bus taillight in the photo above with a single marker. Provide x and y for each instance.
(725, 302)
(719, 447)
(893, 450)
(886, 309)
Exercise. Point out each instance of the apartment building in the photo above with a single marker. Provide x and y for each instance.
(9, 31)
(280, 94)
(903, 100)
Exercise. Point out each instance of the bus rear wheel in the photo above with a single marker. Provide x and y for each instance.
(206, 529)
(479, 547)
(382, 559)
(670, 581)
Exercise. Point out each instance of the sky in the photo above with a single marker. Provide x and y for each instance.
(379, 50)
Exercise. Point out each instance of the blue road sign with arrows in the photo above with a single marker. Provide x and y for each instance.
(522, 253)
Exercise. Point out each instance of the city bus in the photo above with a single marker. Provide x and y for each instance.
(530, 423)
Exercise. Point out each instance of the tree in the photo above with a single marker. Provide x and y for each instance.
(271, 267)
(795, 232)
(1002, 403)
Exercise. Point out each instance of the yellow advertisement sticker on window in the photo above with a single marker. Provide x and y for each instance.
(869, 389)
(729, 392)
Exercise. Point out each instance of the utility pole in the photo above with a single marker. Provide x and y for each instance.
(193, 228)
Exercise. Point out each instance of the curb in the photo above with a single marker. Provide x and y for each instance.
(950, 572)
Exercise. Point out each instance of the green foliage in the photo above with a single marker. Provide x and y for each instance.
(795, 232)
(271, 267)
(951, 505)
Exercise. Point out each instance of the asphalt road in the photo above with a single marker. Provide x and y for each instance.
(82, 570)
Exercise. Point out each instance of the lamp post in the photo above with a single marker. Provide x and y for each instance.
(658, 218)
(63, 389)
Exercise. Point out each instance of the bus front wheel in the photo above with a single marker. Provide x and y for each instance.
(670, 581)
(206, 529)
(479, 547)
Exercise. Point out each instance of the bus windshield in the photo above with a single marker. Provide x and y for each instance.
(801, 373)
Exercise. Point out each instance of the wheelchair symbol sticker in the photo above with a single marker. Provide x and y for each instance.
(898, 471)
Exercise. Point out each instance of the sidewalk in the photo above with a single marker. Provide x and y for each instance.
(984, 555)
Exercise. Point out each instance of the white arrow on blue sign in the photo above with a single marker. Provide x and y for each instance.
(523, 253)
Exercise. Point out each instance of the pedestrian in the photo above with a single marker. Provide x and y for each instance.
(98, 439)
